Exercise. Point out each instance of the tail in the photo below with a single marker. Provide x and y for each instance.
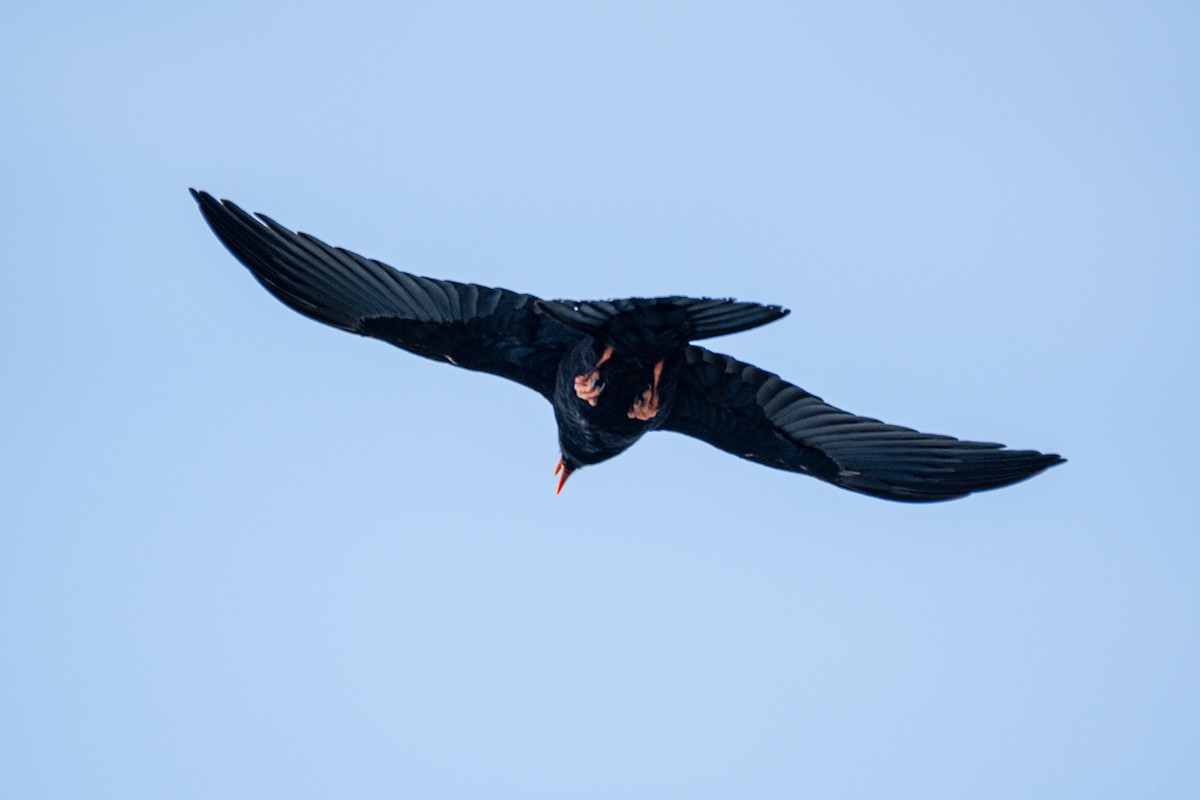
(688, 318)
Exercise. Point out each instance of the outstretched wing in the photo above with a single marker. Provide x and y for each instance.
(756, 415)
(475, 327)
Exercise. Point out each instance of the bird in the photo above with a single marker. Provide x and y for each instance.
(615, 370)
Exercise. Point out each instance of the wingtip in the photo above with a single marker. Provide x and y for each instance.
(203, 198)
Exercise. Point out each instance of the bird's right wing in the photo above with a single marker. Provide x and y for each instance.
(758, 416)
(475, 327)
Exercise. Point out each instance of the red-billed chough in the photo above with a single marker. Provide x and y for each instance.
(616, 369)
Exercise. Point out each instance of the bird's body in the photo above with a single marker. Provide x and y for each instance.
(590, 434)
(619, 380)
(615, 370)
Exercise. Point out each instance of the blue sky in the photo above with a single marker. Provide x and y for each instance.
(244, 555)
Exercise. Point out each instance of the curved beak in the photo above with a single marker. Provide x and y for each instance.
(564, 472)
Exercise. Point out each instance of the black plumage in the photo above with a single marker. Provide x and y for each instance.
(616, 369)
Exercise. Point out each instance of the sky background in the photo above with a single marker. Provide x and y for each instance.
(244, 555)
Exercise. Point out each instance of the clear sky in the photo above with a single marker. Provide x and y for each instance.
(247, 556)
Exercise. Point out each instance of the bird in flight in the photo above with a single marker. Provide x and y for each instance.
(616, 369)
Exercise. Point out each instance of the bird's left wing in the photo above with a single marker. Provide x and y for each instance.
(475, 327)
(758, 416)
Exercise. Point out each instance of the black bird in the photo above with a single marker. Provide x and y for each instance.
(616, 369)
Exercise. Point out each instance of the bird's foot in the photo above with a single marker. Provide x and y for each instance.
(645, 407)
(588, 386)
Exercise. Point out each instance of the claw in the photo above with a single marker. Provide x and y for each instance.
(645, 406)
(588, 386)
